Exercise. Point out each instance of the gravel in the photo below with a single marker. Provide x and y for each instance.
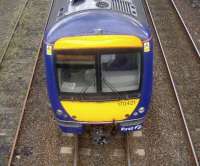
(9, 12)
(17, 66)
(39, 130)
(164, 141)
(183, 62)
(191, 15)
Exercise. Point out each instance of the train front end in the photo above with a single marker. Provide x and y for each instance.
(99, 75)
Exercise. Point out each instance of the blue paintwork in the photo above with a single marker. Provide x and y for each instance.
(71, 130)
(84, 24)
(147, 83)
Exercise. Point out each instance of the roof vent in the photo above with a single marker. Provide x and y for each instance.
(125, 7)
(102, 4)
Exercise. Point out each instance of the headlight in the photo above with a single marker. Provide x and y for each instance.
(141, 110)
(59, 112)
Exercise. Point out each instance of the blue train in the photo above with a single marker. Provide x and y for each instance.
(99, 64)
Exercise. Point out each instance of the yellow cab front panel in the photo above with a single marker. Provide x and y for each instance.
(95, 111)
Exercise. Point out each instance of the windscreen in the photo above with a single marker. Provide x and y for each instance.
(120, 72)
(99, 73)
(76, 73)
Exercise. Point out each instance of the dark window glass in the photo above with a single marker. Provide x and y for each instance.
(120, 72)
(76, 74)
(117, 72)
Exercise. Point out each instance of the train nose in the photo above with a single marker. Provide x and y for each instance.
(107, 111)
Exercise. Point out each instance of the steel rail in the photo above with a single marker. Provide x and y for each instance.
(128, 151)
(23, 110)
(75, 159)
(12, 32)
(174, 87)
(186, 28)
(27, 94)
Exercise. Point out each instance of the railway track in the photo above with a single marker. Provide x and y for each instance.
(76, 153)
(189, 122)
(6, 45)
(39, 142)
(16, 61)
(11, 13)
(187, 28)
(29, 85)
(80, 152)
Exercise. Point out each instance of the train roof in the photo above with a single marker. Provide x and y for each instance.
(112, 12)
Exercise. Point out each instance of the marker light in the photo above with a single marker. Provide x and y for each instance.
(135, 113)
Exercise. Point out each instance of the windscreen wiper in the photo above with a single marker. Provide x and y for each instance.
(111, 87)
(87, 87)
(84, 90)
